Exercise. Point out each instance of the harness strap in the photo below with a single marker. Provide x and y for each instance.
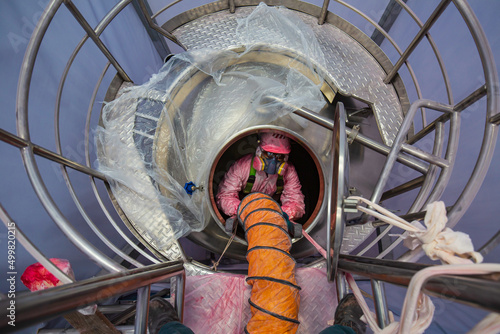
(279, 185)
(251, 180)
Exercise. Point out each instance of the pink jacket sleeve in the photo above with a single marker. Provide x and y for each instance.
(232, 183)
(292, 199)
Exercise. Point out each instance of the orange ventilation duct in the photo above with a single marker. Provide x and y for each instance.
(275, 295)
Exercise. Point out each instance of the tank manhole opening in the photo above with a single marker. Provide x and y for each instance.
(302, 157)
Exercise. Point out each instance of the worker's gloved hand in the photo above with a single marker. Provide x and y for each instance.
(288, 222)
(294, 229)
(229, 226)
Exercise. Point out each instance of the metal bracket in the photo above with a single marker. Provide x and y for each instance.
(353, 134)
(353, 191)
(350, 205)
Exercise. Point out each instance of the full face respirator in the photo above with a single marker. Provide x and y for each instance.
(271, 163)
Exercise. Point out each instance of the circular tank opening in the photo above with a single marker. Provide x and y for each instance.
(302, 157)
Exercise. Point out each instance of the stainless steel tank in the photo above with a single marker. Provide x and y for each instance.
(187, 91)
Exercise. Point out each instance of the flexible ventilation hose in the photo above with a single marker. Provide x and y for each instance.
(275, 296)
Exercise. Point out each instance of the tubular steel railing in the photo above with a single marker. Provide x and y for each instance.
(430, 171)
(482, 291)
(35, 307)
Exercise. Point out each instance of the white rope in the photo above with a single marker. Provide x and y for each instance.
(490, 324)
(438, 241)
(418, 309)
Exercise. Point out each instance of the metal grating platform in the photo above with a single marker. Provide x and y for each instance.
(349, 66)
(218, 302)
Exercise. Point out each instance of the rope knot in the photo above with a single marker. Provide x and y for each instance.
(438, 241)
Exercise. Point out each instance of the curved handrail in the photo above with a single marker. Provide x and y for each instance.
(394, 44)
(490, 133)
(32, 249)
(336, 193)
(434, 47)
(164, 9)
(389, 38)
(35, 307)
(74, 196)
(156, 27)
(493, 108)
(101, 26)
(27, 153)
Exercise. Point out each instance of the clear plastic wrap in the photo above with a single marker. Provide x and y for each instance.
(158, 136)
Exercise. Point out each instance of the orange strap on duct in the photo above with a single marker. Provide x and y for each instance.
(275, 296)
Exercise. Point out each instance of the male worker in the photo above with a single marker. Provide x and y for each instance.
(268, 172)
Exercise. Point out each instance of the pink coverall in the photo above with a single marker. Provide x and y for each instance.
(292, 199)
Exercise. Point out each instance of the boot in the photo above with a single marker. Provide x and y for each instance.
(160, 313)
(349, 314)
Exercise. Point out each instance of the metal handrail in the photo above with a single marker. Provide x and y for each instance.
(420, 35)
(431, 176)
(491, 88)
(156, 27)
(403, 188)
(460, 106)
(359, 138)
(481, 291)
(391, 159)
(491, 130)
(324, 12)
(21, 143)
(490, 244)
(444, 72)
(398, 142)
(441, 182)
(35, 307)
(27, 153)
(386, 35)
(450, 155)
(95, 38)
(164, 9)
(32, 249)
(455, 119)
(391, 40)
(336, 193)
(423, 195)
(493, 108)
(434, 159)
(380, 303)
(101, 26)
(68, 182)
